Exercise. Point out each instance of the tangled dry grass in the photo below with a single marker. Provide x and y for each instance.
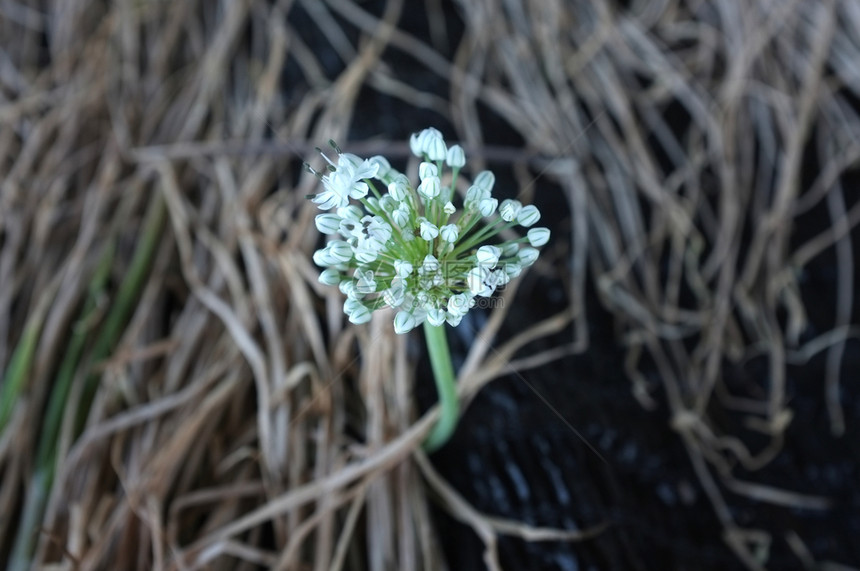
(179, 392)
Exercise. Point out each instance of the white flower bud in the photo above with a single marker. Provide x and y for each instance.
(340, 251)
(330, 277)
(428, 230)
(459, 304)
(449, 232)
(351, 304)
(401, 215)
(436, 317)
(399, 188)
(455, 158)
(347, 288)
(485, 180)
(538, 236)
(512, 270)
(382, 165)
(359, 315)
(487, 206)
(323, 258)
(404, 322)
(435, 148)
(426, 170)
(488, 255)
(364, 282)
(449, 208)
(527, 256)
(475, 194)
(402, 268)
(430, 187)
(430, 264)
(453, 320)
(509, 209)
(396, 293)
(415, 144)
(388, 203)
(509, 249)
(351, 212)
(327, 223)
(528, 215)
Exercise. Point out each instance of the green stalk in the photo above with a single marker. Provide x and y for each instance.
(443, 372)
(106, 337)
(16, 377)
(126, 298)
(46, 455)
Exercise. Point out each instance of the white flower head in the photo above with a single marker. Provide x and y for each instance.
(389, 254)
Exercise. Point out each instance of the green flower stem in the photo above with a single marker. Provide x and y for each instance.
(443, 372)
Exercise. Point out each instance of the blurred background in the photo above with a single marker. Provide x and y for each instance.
(673, 386)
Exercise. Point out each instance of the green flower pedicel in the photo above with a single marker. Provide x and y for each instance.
(411, 249)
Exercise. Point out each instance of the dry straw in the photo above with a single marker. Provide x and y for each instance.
(180, 392)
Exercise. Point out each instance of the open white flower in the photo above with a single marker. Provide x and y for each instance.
(345, 181)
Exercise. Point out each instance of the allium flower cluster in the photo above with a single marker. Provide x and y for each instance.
(410, 248)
